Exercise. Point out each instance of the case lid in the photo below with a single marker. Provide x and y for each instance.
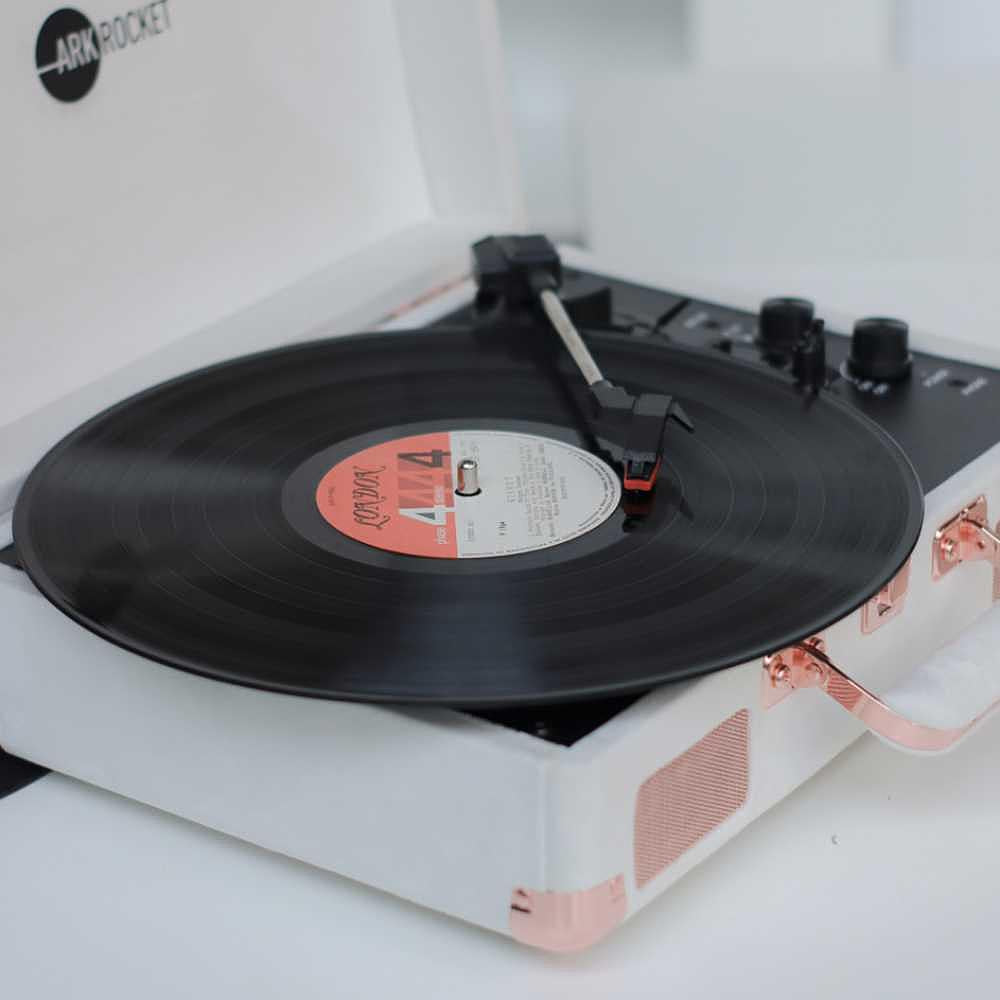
(172, 164)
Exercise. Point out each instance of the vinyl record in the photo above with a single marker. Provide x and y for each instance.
(197, 523)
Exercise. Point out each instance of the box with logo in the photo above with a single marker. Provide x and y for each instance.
(196, 182)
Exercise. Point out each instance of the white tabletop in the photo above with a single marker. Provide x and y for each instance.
(880, 877)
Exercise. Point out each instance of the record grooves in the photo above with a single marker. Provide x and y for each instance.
(164, 525)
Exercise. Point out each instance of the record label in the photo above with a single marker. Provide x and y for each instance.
(534, 492)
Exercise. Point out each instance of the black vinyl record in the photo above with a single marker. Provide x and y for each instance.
(181, 524)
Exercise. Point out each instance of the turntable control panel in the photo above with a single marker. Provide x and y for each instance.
(943, 412)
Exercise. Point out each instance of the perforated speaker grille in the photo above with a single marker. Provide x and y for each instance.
(689, 797)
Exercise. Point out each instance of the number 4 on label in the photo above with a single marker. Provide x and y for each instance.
(428, 515)
(425, 459)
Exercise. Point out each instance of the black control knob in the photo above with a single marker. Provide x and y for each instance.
(782, 322)
(880, 349)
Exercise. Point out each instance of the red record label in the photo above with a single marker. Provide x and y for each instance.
(400, 495)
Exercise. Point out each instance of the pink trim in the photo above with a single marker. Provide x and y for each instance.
(686, 799)
(567, 921)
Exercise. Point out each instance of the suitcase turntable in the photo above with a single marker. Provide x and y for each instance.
(665, 525)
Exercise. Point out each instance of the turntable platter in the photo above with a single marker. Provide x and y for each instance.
(203, 523)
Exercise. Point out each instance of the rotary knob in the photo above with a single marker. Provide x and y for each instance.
(782, 322)
(880, 349)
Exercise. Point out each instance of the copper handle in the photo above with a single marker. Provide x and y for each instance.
(806, 664)
(965, 537)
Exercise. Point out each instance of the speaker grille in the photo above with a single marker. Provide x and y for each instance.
(689, 797)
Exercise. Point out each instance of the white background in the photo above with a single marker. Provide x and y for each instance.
(561, 54)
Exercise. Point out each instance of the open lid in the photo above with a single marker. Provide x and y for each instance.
(174, 164)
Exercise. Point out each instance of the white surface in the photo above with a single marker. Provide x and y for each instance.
(877, 879)
(789, 34)
(960, 33)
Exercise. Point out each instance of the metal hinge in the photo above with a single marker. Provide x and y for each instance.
(967, 537)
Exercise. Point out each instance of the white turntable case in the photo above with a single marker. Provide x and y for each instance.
(450, 811)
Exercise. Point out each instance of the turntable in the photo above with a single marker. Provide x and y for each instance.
(518, 605)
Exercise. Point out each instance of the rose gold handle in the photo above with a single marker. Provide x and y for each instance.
(806, 664)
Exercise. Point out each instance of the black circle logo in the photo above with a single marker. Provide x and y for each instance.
(67, 54)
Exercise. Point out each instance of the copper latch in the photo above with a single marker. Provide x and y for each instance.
(887, 603)
(967, 537)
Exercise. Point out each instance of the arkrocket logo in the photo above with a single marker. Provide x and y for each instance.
(70, 47)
